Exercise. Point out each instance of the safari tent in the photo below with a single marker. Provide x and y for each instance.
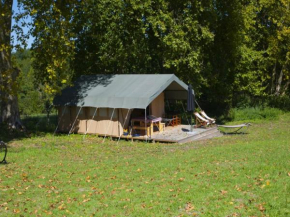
(104, 104)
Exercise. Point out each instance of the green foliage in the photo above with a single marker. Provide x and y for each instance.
(225, 48)
(282, 102)
(257, 113)
(30, 99)
(40, 123)
(246, 175)
(54, 47)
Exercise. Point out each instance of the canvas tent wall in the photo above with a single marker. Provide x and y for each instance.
(100, 124)
(118, 93)
(157, 106)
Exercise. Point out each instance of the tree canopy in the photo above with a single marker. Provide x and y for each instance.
(224, 48)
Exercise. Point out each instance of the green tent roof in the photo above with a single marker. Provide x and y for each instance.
(121, 91)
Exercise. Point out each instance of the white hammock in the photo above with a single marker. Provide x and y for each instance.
(236, 127)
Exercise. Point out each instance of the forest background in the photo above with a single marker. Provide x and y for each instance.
(235, 53)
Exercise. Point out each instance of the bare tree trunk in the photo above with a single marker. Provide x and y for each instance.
(273, 78)
(8, 98)
(285, 88)
(279, 82)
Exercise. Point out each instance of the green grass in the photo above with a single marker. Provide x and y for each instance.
(237, 175)
(256, 113)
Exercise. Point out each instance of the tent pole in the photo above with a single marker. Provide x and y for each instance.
(123, 125)
(75, 120)
(90, 123)
(59, 120)
(109, 125)
(146, 124)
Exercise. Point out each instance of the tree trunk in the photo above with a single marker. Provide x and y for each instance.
(279, 82)
(8, 75)
(273, 78)
(285, 88)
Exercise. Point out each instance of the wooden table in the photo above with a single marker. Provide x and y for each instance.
(147, 125)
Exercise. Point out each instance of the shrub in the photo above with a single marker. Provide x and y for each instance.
(255, 113)
(40, 123)
(281, 102)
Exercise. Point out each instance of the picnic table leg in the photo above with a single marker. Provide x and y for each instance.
(159, 126)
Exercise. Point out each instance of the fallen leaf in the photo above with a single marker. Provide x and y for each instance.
(86, 200)
(61, 207)
(16, 210)
(261, 207)
(223, 192)
(189, 207)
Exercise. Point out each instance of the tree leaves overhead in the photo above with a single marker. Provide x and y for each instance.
(223, 47)
(54, 41)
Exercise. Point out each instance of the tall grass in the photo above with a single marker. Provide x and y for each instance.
(255, 113)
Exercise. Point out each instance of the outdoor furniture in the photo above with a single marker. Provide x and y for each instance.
(148, 125)
(235, 128)
(174, 121)
(212, 120)
(3, 152)
(200, 121)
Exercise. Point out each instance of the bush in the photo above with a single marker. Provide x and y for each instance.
(281, 102)
(256, 113)
(40, 123)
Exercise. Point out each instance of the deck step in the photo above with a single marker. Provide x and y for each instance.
(210, 133)
(213, 134)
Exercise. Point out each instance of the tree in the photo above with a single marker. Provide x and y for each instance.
(31, 99)
(53, 47)
(223, 47)
(263, 68)
(276, 23)
(8, 74)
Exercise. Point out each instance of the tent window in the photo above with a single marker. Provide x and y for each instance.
(103, 112)
(115, 113)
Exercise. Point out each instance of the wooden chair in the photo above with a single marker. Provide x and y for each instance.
(212, 120)
(200, 121)
(174, 121)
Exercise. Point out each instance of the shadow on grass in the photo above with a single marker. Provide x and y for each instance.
(35, 126)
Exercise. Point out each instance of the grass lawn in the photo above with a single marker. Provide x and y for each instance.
(237, 175)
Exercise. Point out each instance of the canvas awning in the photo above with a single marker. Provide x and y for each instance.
(121, 91)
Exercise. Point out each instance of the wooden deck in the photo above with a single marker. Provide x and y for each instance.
(179, 134)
